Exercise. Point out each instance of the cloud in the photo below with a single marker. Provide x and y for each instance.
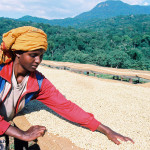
(11, 5)
(76, 7)
(137, 2)
(145, 4)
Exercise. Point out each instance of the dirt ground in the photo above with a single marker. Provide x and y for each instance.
(105, 70)
(115, 94)
(49, 141)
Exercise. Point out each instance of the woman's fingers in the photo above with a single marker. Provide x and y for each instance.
(34, 132)
(116, 141)
(125, 139)
(128, 139)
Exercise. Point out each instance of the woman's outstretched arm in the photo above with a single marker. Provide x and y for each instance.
(112, 135)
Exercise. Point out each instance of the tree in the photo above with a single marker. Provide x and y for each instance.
(118, 58)
(135, 54)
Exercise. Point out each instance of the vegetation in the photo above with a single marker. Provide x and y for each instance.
(121, 42)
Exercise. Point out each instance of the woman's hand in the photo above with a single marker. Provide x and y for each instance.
(115, 137)
(112, 135)
(31, 134)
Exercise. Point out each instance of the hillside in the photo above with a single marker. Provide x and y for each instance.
(103, 10)
(120, 42)
(110, 8)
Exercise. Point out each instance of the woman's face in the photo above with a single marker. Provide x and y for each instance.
(30, 60)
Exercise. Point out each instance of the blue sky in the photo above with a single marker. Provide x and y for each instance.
(52, 9)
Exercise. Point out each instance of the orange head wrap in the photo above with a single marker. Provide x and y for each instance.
(25, 38)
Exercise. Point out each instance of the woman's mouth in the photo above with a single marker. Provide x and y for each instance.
(34, 67)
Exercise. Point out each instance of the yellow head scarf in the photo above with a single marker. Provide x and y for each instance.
(25, 38)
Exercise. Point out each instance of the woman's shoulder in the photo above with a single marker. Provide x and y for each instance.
(39, 74)
(42, 79)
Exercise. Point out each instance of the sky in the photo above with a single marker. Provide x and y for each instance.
(52, 9)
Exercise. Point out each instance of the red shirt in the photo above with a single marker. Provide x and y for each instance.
(52, 98)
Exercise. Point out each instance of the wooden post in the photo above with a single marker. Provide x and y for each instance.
(117, 77)
(130, 80)
(138, 80)
(94, 73)
(121, 78)
(113, 77)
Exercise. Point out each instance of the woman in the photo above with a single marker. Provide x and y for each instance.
(22, 50)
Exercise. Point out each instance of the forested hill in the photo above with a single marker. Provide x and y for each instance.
(122, 42)
(103, 10)
(113, 8)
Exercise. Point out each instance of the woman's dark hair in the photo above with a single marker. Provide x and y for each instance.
(13, 54)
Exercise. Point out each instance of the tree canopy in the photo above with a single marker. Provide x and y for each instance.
(122, 42)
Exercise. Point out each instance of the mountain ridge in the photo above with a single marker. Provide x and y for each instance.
(111, 8)
(103, 10)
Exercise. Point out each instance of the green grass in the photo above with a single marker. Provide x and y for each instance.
(108, 76)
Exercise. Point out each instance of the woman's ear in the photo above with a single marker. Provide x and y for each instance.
(17, 55)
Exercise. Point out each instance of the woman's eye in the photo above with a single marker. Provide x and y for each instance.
(33, 55)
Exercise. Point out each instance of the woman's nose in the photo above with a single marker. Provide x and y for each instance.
(38, 59)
